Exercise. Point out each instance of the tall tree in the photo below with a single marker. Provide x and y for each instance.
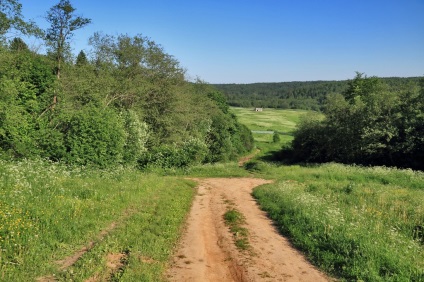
(63, 23)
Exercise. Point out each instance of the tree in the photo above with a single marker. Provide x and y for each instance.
(361, 86)
(63, 23)
(81, 59)
(369, 124)
(18, 45)
(146, 78)
(11, 19)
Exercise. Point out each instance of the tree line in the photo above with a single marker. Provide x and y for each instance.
(370, 123)
(127, 102)
(306, 95)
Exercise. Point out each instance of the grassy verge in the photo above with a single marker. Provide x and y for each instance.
(235, 220)
(48, 213)
(355, 223)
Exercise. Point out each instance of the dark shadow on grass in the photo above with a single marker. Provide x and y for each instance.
(281, 156)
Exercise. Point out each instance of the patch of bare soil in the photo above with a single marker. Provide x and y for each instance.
(207, 251)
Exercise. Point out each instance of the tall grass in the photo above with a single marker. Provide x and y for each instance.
(48, 212)
(356, 223)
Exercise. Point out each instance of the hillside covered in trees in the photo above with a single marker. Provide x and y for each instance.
(307, 95)
(128, 102)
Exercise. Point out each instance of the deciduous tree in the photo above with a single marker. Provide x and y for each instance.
(63, 22)
(11, 18)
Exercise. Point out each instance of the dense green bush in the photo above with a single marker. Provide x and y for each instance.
(95, 136)
(191, 152)
(195, 150)
(227, 138)
(25, 91)
(243, 139)
(276, 137)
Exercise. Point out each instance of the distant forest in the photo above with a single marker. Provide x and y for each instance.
(307, 95)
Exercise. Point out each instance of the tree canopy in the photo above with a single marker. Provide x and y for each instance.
(369, 123)
(127, 103)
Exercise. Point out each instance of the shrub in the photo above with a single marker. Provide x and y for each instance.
(195, 150)
(95, 136)
(276, 137)
(137, 134)
(191, 152)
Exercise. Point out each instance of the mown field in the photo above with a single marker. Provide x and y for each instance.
(282, 121)
(355, 223)
(50, 215)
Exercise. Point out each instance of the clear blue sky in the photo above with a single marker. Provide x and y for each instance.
(246, 41)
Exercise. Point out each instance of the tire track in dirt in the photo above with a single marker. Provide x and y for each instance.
(207, 252)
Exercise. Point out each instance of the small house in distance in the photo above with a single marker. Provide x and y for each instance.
(258, 109)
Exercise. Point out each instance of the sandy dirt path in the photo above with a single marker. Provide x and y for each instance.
(207, 251)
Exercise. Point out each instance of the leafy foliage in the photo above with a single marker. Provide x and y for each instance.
(128, 103)
(368, 124)
(11, 19)
(25, 81)
(95, 136)
(81, 59)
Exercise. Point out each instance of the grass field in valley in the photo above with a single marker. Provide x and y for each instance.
(283, 121)
(48, 213)
(355, 223)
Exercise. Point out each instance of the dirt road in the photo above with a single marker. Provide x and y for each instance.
(207, 251)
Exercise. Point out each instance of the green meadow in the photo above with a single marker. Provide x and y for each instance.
(269, 119)
(354, 223)
(282, 121)
(49, 213)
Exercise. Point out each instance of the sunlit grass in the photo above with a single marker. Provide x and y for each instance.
(48, 212)
(356, 223)
(282, 121)
(269, 119)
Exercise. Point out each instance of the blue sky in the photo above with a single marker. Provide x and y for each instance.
(246, 41)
